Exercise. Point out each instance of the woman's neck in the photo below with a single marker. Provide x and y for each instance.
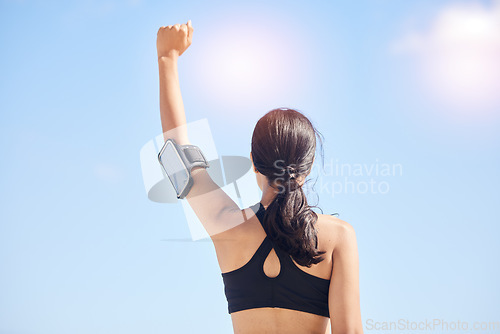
(268, 195)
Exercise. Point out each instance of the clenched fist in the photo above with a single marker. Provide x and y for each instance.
(174, 39)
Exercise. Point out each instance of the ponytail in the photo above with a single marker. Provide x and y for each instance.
(290, 222)
(285, 135)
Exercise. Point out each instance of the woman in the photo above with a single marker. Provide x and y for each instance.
(285, 268)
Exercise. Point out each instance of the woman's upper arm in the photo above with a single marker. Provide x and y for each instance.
(344, 301)
(209, 202)
(214, 208)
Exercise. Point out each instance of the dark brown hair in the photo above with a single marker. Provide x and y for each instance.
(283, 149)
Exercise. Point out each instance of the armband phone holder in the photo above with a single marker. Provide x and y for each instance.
(177, 162)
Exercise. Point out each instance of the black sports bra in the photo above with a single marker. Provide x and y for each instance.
(249, 287)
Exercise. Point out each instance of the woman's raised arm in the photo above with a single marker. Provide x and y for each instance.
(213, 207)
(171, 42)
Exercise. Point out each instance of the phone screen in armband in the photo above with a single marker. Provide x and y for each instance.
(174, 167)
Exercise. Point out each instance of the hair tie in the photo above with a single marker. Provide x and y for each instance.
(290, 171)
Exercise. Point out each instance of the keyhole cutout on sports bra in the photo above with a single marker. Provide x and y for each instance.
(272, 265)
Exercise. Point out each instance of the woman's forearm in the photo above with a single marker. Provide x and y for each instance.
(173, 117)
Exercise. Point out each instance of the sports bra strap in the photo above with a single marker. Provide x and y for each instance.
(265, 248)
(267, 244)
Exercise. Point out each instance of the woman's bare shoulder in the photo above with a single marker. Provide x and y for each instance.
(333, 221)
(333, 229)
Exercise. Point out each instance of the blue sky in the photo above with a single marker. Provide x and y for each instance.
(413, 83)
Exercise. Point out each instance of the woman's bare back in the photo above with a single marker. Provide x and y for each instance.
(234, 252)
